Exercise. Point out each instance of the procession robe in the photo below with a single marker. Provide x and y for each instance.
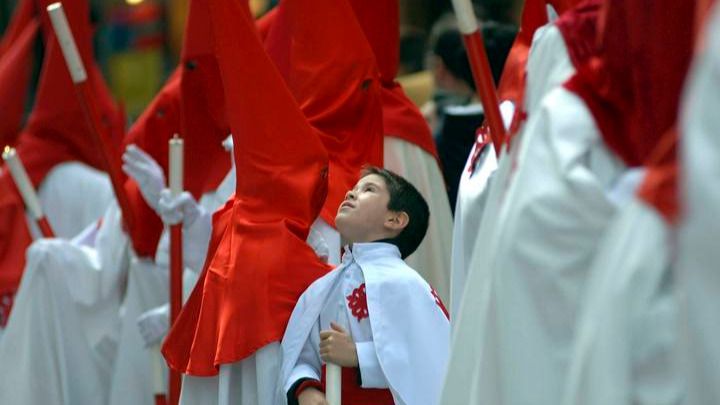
(511, 340)
(60, 343)
(531, 274)
(626, 343)
(56, 132)
(147, 288)
(486, 176)
(698, 253)
(226, 337)
(397, 320)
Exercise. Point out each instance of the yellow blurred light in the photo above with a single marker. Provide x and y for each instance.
(133, 2)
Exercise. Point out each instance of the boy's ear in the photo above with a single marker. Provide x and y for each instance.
(397, 220)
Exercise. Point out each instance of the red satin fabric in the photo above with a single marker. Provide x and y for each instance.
(23, 14)
(337, 89)
(14, 234)
(258, 263)
(402, 119)
(15, 70)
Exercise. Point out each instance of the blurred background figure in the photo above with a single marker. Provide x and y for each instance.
(454, 112)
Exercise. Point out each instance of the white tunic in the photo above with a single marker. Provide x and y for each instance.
(482, 193)
(514, 331)
(61, 340)
(699, 252)
(410, 330)
(625, 350)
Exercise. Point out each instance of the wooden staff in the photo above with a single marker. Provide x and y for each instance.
(175, 181)
(482, 75)
(27, 191)
(85, 96)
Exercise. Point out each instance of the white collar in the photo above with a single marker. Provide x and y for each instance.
(368, 250)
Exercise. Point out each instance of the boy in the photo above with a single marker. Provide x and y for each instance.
(394, 343)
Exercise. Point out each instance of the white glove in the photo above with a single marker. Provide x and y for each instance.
(197, 225)
(148, 174)
(318, 244)
(154, 325)
(181, 208)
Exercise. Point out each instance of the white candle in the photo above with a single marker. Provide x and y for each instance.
(175, 180)
(465, 14)
(22, 181)
(67, 42)
(158, 375)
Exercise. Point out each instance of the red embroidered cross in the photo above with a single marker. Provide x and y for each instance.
(439, 303)
(357, 302)
(482, 138)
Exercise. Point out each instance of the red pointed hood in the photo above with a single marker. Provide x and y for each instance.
(338, 90)
(151, 132)
(14, 235)
(579, 28)
(23, 15)
(380, 22)
(192, 105)
(633, 86)
(56, 130)
(204, 124)
(251, 280)
(15, 72)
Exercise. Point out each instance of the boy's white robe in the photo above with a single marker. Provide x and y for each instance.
(410, 331)
(514, 330)
(699, 246)
(61, 340)
(481, 195)
(625, 350)
(421, 169)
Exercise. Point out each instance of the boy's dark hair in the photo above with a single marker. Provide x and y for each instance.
(404, 197)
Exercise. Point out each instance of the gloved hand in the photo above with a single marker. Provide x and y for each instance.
(154, 325)
(318, 243)
(181, 208)
(197, 225)
(148, 174)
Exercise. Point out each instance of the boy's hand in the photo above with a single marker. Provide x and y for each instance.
(312, 396)
(337, 347)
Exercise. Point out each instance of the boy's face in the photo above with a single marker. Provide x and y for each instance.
(363, 216)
